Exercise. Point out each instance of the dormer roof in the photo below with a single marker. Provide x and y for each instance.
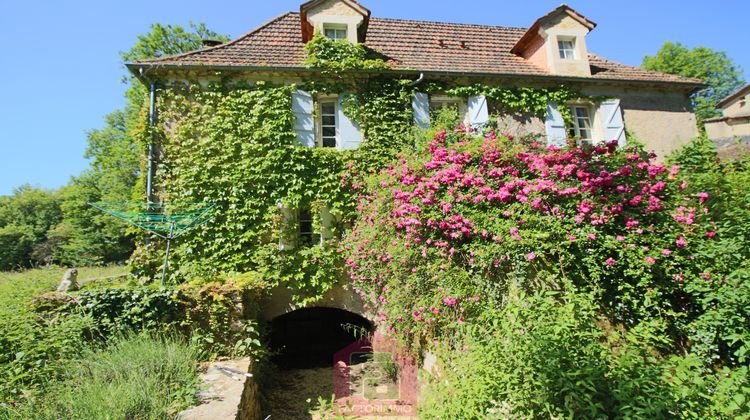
(307, 28)
(529, 36)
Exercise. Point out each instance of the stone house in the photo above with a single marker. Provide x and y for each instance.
(732, 129)
(654, 107)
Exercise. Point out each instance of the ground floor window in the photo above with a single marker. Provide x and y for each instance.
(307, 235)
(581, 127)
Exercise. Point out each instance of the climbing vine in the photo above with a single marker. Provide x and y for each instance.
(234, 144)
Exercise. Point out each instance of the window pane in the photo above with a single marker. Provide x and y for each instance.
(582, 112)
(328, 108)
(329, 131)
(329, 120)
(584, 134)
(329, 142)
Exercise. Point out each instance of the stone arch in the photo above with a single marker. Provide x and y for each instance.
(341, 296)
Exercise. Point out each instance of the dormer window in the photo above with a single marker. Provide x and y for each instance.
(567, 48)
(335, 32)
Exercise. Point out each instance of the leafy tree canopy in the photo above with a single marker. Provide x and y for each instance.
(722, 75)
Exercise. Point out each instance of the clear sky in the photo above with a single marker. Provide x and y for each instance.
(61, 69)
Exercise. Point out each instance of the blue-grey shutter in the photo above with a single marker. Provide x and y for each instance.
(288, 228)
(478, 114)
(614, 126)
(304, 125)
(349, 135)
(554, 124)
(420, 104)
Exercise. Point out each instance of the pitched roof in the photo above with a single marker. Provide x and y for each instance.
(407, 45)
(745, 90)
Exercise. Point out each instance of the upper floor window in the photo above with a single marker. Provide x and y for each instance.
(567, 48)
(581, 128)
(335, 32)
(328, 124)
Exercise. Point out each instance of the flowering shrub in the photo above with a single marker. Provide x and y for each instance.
(467, 221)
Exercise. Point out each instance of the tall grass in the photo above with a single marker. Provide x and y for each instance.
(31, 347)
(135, 377)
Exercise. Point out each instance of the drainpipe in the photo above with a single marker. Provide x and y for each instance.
(418, 81)
(152, 120)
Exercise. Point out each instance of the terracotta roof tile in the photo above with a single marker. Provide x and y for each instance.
(407, 44)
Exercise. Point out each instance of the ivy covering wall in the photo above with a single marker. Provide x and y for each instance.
(235, 145)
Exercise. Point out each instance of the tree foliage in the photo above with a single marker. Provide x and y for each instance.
(86, 236)
(722, 75)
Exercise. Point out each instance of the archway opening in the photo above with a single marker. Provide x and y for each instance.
(310, 337)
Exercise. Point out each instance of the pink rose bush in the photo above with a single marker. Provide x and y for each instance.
(466, 221)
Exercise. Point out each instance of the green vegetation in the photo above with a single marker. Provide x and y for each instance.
(133, 377)
(722, 75)
(32, 347)
(40, 227)
(577, 282)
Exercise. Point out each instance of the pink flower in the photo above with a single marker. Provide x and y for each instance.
(571, 238)
(592, 237)
(620, 238)
(449, 301)
(681, 242)
(710, 234)
(610, 262)
(666, 251)
(531, 256)
(650, 260)
(702, 197)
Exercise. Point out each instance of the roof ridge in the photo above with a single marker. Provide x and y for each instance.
(479, 25)
(442, 23)
(216, 47)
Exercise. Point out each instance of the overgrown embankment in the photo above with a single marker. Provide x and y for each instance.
(586, 281)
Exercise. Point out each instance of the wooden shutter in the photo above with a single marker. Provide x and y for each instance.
(304, 125)
(349, 135)
(478, 114)
(555, 126)
(614, 126)
(420, 104)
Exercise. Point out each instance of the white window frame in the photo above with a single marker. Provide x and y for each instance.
(306, 228)
(340, 32)
(333, 101)
(565, 52)
(575, 130)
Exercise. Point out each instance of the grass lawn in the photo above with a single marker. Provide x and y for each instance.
(48, 369)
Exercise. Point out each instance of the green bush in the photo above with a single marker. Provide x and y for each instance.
(15, 247)
(134, 377)
(552, 356)
(32, 346)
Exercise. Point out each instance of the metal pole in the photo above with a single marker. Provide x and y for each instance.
(166, 254)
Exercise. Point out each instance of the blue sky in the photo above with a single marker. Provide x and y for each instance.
(61, 68)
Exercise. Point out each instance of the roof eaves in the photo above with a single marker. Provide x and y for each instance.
(739, 92)
(134, 67)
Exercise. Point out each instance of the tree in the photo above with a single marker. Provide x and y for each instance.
(722, 75)
(87, 236)
(25, 219)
